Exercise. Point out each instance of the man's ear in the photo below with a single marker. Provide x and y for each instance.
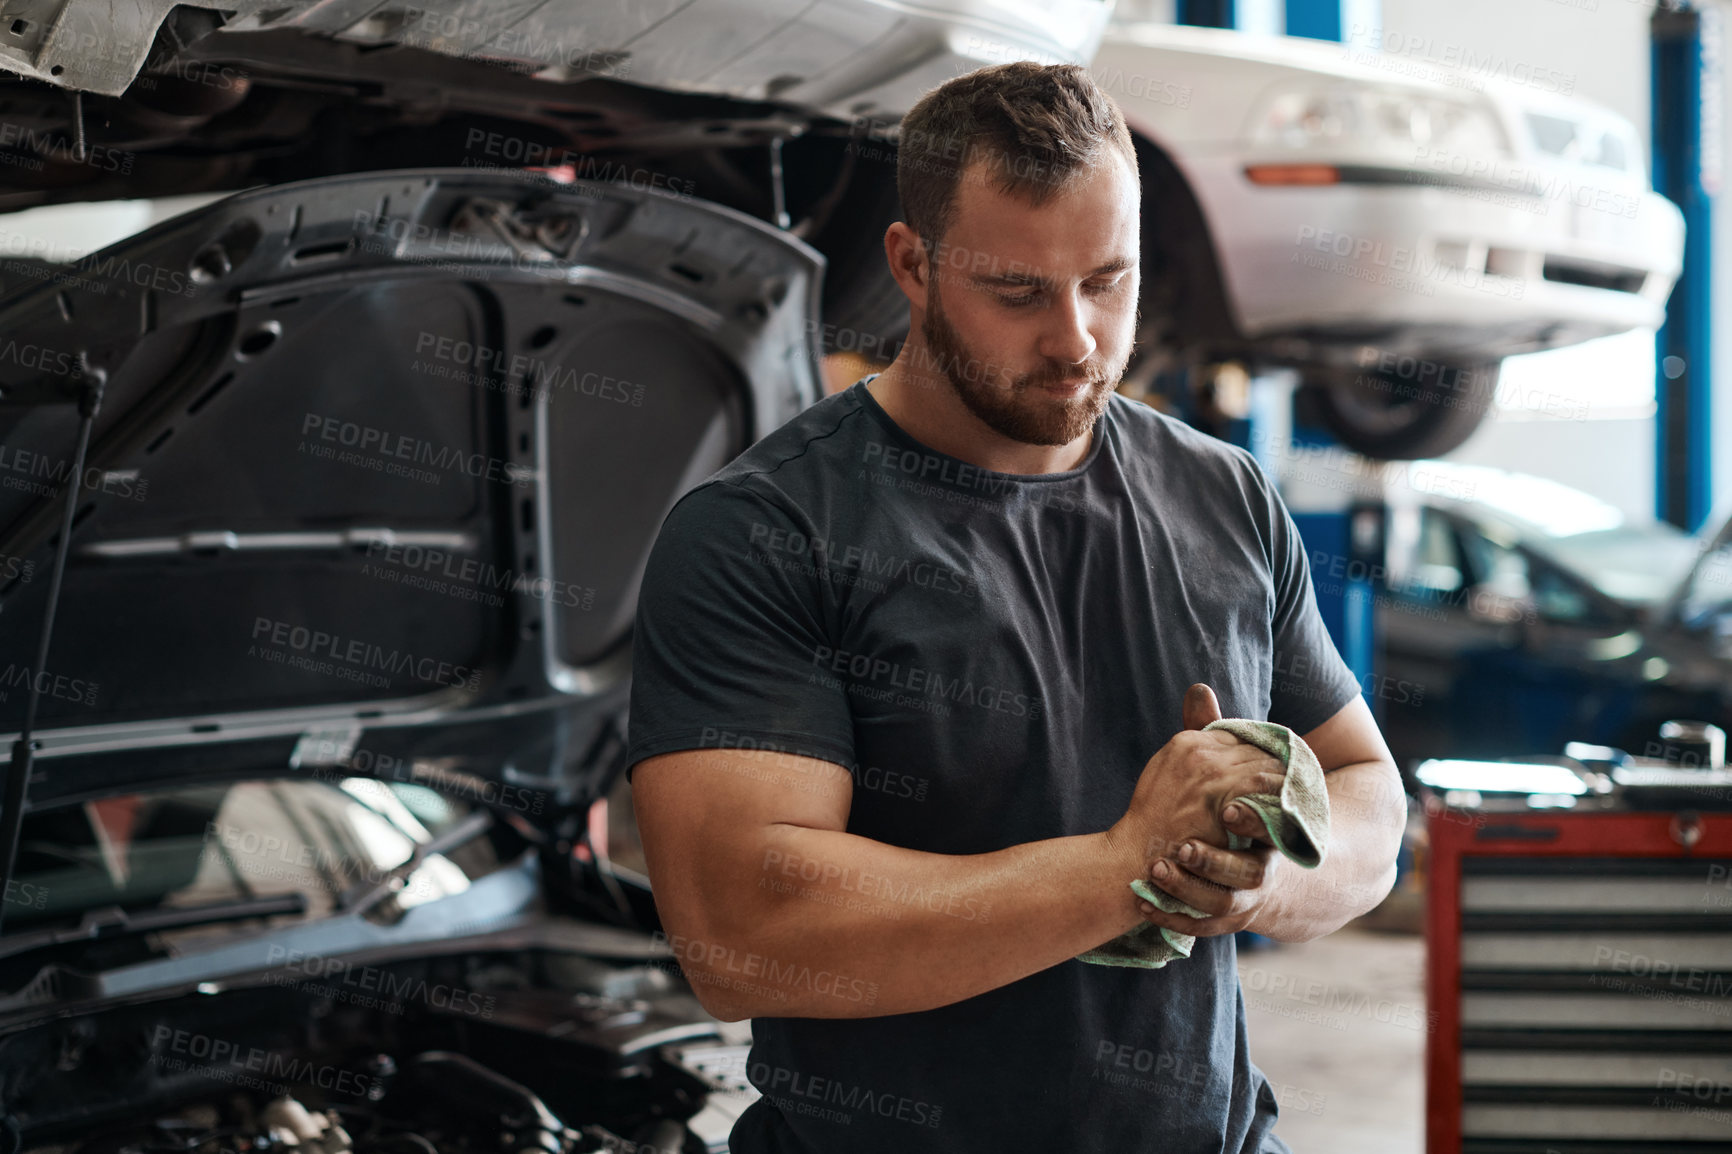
(908, 262)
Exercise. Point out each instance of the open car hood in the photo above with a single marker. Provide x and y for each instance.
(377, 467)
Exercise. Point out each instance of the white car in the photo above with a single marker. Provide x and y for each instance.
(1394, 227)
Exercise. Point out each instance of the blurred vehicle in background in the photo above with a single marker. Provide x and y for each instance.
(1523, 614)
(1391, 227)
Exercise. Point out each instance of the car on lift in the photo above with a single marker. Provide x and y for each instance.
(771, 109)
(1390, 226)
(328, 503)
(1516, 614)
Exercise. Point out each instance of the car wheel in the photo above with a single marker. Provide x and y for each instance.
(1183, 312)
(1400, 419)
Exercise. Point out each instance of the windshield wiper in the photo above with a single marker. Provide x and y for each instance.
(113, 922)
(363, 898)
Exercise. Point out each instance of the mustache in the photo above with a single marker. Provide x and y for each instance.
(1095, 378)
(953, 355)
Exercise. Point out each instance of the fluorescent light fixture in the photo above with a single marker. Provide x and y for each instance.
(1499, 776)
(1583, 751)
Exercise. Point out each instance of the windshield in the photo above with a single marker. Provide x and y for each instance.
(1634, 560)
(194, 846)
(1538, 505)
(1641, 564)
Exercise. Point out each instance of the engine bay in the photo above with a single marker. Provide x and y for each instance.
(528, 1051)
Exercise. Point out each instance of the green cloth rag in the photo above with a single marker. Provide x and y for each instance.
(1298, 823)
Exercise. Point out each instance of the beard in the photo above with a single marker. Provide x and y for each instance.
(1019, 407)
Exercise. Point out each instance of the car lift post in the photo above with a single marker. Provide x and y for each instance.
(1338, 20)
(1205, 13)
(1342, 536)
(1687, 126)
(1334, 531)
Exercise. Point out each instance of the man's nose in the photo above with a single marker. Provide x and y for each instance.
(1065, 335)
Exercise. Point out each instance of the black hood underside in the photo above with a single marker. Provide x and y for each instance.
(378, 463)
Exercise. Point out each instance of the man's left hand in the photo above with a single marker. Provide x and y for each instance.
(1232, 886)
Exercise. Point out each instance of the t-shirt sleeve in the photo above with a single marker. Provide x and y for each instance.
(1311, 681)
(727, 637)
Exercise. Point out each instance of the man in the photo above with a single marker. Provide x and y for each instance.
(901, 666)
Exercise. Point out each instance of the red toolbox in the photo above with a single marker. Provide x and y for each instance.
(1579, 974)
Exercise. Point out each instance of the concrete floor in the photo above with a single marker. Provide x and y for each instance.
(1338, 1026)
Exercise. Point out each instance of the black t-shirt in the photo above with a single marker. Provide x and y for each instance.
(993, 657)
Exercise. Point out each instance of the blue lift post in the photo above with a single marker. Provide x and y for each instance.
(1346, 604)
(1206, 13)
(1687, 91)
(1313, 19)
(1316, 19)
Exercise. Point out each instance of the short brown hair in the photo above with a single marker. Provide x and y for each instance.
(1037, 126)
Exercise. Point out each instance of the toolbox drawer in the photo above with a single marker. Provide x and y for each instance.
(1580, 969)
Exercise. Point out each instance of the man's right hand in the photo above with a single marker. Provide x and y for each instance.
(1187, 783)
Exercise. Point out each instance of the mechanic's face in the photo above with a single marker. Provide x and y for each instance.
(1039, 305)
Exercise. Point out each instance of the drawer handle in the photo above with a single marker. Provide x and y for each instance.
(1686, 828)
(1516, 833)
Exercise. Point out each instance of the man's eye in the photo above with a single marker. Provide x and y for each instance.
(1105, 286)
(1017, 302)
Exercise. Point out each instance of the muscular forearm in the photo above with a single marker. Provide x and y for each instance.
(886, 930)
(1368, 812)
(773, 909)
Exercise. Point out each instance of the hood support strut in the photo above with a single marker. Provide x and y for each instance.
(23, 749)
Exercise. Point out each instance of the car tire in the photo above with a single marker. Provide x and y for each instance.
(1184, 315)
(1394, 418)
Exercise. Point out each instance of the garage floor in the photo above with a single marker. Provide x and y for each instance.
(1338, 1026)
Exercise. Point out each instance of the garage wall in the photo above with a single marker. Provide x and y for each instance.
(1612, 459)
(1602, 45)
